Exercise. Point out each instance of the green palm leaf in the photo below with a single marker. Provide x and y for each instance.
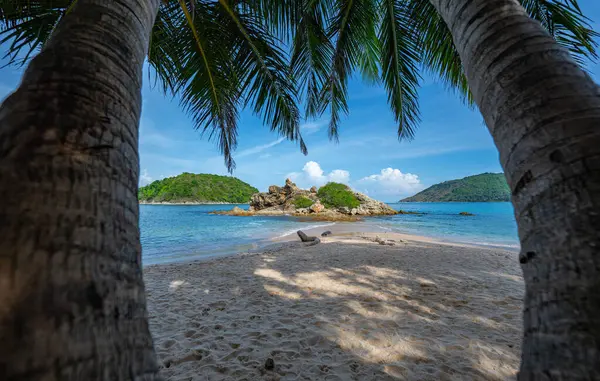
(400, 54)
(264, 72)
(192, 55)
(215, 58)
(27, 25)
(562, 18)
(220, 56)
(312, 54)
(569, 26)
(353, 29)
(280, 17)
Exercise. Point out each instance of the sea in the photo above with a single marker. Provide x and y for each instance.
(175, 233)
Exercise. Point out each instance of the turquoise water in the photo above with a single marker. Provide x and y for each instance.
(173, 233)
(493, 223)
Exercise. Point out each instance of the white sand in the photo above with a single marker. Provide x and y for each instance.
(347, 309)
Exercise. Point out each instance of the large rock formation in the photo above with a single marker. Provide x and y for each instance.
(283, 200)
(279, 200)
(369, 207)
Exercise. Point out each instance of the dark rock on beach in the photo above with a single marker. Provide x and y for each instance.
(269, 364)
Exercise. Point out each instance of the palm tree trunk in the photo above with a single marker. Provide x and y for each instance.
(72, 302)
(543, 112)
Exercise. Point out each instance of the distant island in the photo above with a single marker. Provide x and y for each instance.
(486, 187)
(190, 188)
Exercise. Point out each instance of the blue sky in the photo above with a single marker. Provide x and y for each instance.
(451, 141)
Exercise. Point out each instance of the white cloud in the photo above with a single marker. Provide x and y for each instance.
(306, 128)
(339, 176)
(257, 149)
(313, 174)
(391, 181)
(312, 127)
(313, 170)
(145, 178)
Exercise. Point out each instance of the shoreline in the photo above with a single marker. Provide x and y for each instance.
(341, 230)
(348, 308)
(365, 228)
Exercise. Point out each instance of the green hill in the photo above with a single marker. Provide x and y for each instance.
(479, 188)
(190, 187)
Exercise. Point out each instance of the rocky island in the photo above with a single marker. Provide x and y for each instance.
(332, 201)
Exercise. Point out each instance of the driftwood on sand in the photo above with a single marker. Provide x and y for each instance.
(311, 240)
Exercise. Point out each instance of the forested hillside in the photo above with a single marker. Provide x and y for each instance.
(479, 188)
(190, 187)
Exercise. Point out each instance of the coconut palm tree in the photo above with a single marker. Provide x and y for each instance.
(543, 112)
(521, 67)
(71, 290)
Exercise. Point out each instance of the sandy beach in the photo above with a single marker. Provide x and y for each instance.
(346, 309)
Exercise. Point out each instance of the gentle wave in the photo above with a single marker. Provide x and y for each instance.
(293, 231)
(506, 245)
(449, 238)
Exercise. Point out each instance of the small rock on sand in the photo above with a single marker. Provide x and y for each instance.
(311, 240)
(382, 241)
(269, 364)
(304, 237)
(326, 233)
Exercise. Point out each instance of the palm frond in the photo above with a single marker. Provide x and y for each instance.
(219, 56)
(27, 25)
(400, 54)
(312, 53)
(192, 56)
(264, 72)
(369, 60)
(353, 29)
(161, 55)
(565, 21)
(439, 56)
(279, 17)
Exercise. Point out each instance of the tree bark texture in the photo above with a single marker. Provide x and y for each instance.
(72, 300)
(543, 112)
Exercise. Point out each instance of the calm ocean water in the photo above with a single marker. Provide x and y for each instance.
(182, 232)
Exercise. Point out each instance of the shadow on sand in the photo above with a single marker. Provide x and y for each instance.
(340, 311)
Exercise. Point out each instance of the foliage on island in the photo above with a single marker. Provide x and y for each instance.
(190, 187)
(485, 187)
(336, 195)
(303, 202)
(332, 202)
